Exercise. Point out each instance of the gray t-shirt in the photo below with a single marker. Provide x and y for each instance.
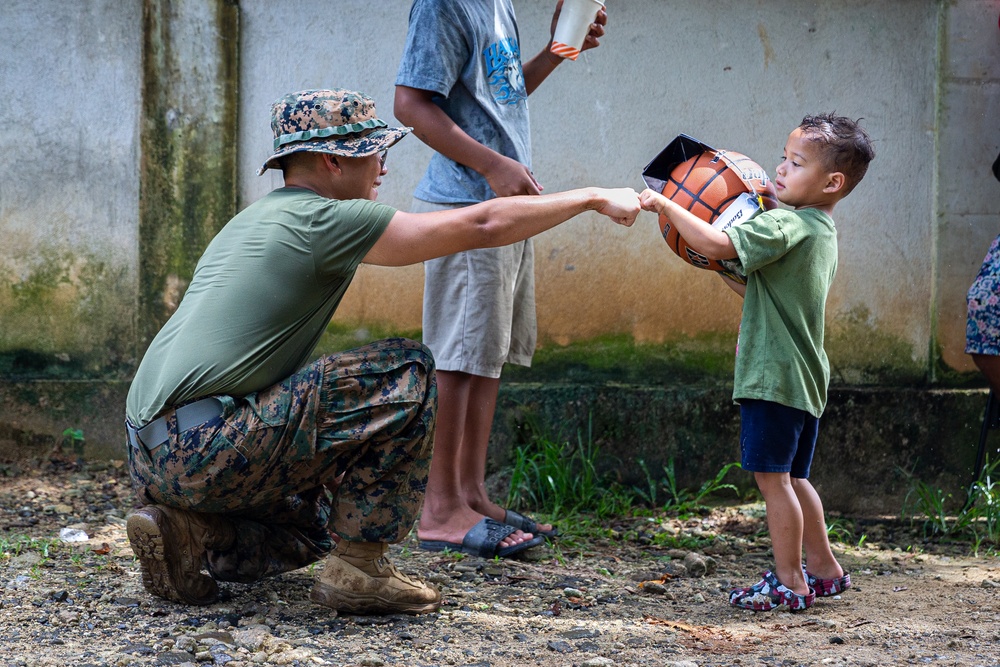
(261, 297)
(468, 53)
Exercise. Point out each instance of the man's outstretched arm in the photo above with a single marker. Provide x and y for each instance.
(415, 237)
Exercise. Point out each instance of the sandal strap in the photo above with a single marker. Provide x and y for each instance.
(484, 537)
(520, 522)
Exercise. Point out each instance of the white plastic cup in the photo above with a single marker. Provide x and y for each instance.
(573, 26)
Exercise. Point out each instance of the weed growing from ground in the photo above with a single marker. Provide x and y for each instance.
(978, 521)
(557, 477)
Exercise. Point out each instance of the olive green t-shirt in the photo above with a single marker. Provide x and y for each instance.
(261, 297)
(790, 259)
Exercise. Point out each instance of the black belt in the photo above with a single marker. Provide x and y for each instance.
(155, 433)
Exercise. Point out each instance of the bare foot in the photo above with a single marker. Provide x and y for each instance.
(453, 528)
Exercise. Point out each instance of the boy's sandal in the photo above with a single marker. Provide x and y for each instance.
(827, 587)
(768, 594)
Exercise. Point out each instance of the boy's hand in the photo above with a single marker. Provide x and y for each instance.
(508, 177)
(620, 204)
(651, 200)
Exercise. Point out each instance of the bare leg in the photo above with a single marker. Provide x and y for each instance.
(784, 523)
(466, 404)
(989, 365)
(472, 466)
(819, 557)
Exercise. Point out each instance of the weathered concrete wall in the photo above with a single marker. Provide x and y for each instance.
(188, 167)
(69, 187)
(923, 74)
(968, 208)
(127, 130)
(738, 75)
(871, 439)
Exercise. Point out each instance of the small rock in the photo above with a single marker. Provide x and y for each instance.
(580, 633)
(73, 535)
(174, 658)
(572, 593)
(493, 571)
(69, 617)
(186, 644)
(654, 587)
(301, 656)
(698, 565)
(560, 647)
(25, 560)
(836, 640)
(989, 583)
(371, 660)
(598, 662)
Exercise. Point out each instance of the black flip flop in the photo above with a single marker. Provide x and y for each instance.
(483, 540)
(527, 524)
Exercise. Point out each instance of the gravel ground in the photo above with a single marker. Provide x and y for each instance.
(595, 601)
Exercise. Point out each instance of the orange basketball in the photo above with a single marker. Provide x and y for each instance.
(707, 184)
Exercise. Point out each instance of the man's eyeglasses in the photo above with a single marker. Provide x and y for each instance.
(382, 156)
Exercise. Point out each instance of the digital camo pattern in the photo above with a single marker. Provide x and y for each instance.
(274, 461)
(315, 109)
(982, 331)
(340, 122)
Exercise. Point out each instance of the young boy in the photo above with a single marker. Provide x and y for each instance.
(782, 372)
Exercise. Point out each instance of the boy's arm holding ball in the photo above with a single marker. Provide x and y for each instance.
(699, 235)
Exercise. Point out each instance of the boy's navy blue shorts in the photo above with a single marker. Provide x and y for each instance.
(776, 438)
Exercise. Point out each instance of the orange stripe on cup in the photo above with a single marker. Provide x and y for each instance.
(565, 50)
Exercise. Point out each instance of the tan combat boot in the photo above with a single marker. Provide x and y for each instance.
(171, 545)
(359, 579)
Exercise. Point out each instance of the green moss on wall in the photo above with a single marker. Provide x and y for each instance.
(861, 353)
(188, 178)
(66, 313)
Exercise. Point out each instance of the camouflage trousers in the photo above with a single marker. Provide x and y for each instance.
(344, 445)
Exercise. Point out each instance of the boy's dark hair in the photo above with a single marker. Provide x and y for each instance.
(846, 146)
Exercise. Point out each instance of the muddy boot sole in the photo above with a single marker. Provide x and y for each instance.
(145, 529)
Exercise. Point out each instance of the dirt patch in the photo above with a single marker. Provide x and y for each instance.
(613, 600)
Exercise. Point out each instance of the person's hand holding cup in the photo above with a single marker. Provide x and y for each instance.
(579, 25)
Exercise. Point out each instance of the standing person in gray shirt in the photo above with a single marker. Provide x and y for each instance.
(462, 87)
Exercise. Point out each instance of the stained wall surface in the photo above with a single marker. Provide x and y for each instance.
(924, 74)
(69, 186)
(738, 75)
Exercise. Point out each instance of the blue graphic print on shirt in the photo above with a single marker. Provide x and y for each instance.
(503, 69)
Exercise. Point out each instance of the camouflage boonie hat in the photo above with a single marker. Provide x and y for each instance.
(341, 122)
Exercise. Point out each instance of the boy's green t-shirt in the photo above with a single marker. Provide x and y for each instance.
(790, 259)
(261, 297)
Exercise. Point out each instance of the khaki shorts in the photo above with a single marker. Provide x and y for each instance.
(479, 306)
